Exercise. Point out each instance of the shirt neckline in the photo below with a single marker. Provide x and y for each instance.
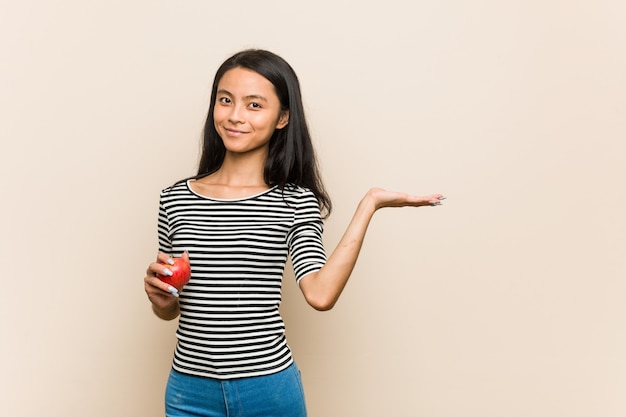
(249, 197)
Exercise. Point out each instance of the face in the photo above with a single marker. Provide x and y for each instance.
(247, 111)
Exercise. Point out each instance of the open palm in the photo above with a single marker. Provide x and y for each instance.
(385, 198)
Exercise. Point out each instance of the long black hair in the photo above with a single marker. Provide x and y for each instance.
(291, 159)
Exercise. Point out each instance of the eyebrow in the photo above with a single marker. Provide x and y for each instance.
(248, 97)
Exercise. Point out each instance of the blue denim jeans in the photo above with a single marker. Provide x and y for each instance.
(275, 395)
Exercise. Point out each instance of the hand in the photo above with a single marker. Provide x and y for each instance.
(164, 297)
(384, 198)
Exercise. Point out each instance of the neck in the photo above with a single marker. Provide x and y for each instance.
(241, 170)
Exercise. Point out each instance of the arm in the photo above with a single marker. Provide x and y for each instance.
(163, 297)
(322, 289)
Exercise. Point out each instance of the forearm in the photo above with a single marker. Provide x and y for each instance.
(323, 288)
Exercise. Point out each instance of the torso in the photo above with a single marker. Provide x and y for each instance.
(230, 324)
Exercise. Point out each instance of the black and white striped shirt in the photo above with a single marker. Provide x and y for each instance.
(230, 326)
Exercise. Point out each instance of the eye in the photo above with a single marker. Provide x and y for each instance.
(254, 105)
(224, 100)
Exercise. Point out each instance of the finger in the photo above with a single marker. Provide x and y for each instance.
(163, 287)
(155, 269)
(436, 199)
(164, 258)
(423, 200)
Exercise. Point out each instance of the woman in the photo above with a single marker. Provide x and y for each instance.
(257, 199)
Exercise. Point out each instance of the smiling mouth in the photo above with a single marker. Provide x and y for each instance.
(234, 132)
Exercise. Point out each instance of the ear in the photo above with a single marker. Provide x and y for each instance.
(283, 119)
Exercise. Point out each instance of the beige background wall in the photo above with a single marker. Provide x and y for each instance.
(510, 300)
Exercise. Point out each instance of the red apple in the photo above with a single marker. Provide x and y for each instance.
(181, 272)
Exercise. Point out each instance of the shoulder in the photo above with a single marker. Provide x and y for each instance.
(175, 191)
(297, 194)
(303, 202)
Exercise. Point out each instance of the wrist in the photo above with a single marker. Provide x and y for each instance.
(168, 312)
(369, 201)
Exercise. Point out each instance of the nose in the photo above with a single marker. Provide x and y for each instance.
(236, 115)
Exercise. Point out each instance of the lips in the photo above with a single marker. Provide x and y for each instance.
(234, 132)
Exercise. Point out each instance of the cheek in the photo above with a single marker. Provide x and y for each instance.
(264, 121)
(218, 113)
